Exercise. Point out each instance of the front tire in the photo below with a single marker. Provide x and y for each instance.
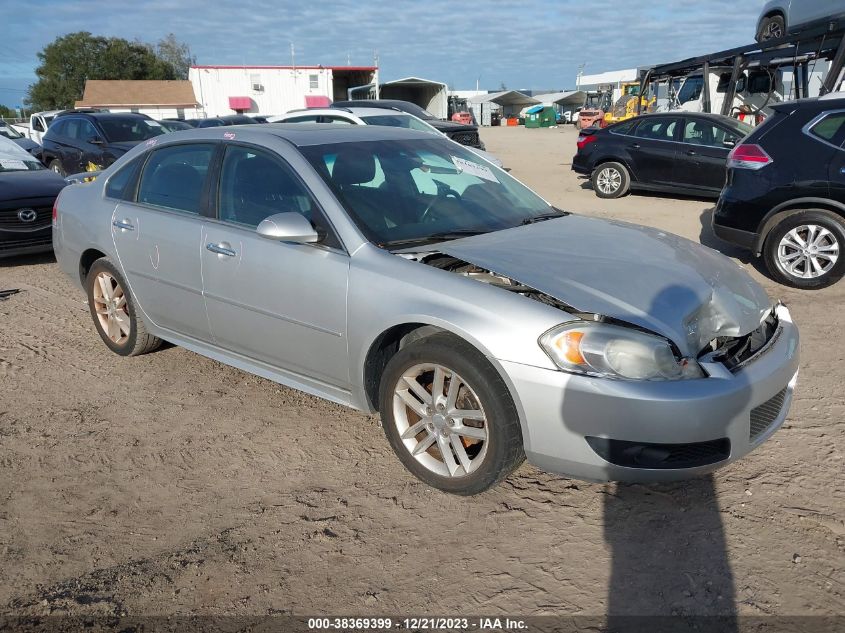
(611, 180)
(805, 250)
(113, 311)
(772, 28)
(449, 416)
(56, 166)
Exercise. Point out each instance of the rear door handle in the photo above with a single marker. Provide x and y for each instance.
(221, 249)
(123, 225)
(691, 152)
(634, 146)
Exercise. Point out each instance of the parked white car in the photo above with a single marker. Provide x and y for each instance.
(779, 18)
(370, 116)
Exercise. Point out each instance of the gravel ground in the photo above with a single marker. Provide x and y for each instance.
(170, 484)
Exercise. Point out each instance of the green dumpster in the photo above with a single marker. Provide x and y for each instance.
(540, 116)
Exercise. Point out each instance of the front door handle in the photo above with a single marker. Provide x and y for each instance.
(634, 146)
(221, 249)
(692, 152)
(123, 225)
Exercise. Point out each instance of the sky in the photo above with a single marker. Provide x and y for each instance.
(532, 44)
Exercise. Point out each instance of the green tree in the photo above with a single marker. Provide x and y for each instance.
(177, 54)
(6, 112)
(68, 61)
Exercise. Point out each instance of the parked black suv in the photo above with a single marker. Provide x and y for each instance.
(458, 132)
(86, 141)
(683, 152)
(785, 193)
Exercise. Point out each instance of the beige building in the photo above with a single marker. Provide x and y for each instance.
(158, 99)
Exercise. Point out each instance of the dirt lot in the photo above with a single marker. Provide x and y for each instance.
(170, 484)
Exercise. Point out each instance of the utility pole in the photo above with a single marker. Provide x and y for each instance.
(375, 63)
(580, 74)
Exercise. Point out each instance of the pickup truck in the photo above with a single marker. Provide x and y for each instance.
(37, 126)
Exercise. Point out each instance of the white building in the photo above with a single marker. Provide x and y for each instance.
(158, 99)
(268, 90)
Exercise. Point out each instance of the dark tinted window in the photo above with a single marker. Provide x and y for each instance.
(626, 127)
(58, 128)
(120, 129)
(173, 177)
(80, 129)
(255, 185)
(118, 185)
(697, 132)
(829, 127)
(658, 129)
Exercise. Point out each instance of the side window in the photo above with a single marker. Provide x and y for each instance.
(829, 127)
(59, 128)
(118, 185)
(36, 124)
(335, 119)
(626, 127)
(255, 185)
(657, 129)
(86, 130)
(173, 177)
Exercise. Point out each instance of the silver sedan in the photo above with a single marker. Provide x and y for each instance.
(394, 272)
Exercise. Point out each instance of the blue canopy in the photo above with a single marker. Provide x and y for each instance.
(535, 109)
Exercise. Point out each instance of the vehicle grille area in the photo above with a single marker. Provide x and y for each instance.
(466, 138)
(12, 245)
(766, 414)
(10, 218)
(660, 456)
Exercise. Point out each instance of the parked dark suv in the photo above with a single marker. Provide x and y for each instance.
(87, 141)
(458, 132)
(785, 193)
(680, 152)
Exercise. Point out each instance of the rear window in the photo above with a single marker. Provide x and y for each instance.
(119, 130)
(829, 127)
(626, 127)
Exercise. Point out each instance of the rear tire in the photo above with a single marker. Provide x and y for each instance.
(56, 166)
(805, 250)
(611, 180)
(113, 311)
(483, 446)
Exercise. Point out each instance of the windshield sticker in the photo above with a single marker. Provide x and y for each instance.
(154, 123)
(474, 169)
(229, 136)
(12, 163)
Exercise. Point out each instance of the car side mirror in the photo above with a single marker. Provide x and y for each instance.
(95, 140)
(288, 227)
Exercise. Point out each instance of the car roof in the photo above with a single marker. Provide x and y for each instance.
(304, 134)
(106, 115)
(707, 116)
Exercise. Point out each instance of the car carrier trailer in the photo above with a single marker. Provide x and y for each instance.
(800, 51)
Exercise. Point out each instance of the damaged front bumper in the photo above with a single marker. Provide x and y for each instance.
(615, 430)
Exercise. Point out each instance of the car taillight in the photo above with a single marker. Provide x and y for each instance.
(583, 140)
(748, 157)
(56, 212)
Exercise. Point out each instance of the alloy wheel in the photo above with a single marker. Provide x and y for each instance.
(808, 251)
(440, 420)
(111, 308)
(609, 180)
(773, 32)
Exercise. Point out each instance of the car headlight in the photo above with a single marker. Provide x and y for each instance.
(612, 351)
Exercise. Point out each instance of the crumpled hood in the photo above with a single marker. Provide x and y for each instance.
(682, 290)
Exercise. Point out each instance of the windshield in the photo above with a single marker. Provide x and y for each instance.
(12, 163)
(418, 191)
(691, 89)
(9, 132)
(399, 120)
(120, 130)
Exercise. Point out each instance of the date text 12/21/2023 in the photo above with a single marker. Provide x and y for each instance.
(379, 624)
